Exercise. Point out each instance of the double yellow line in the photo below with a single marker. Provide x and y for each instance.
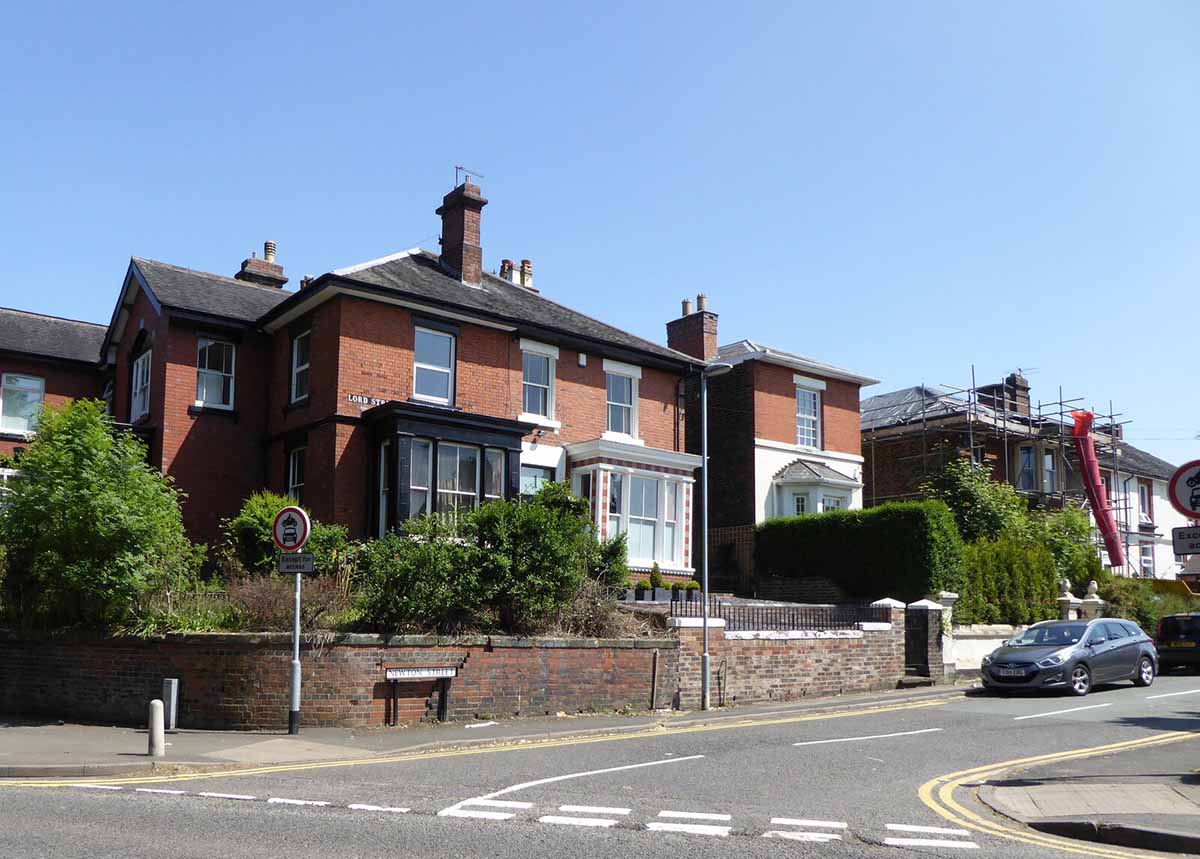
(938, 794)
(640, 734)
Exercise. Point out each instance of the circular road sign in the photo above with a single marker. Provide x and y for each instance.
(290, 531)
(1184, 489)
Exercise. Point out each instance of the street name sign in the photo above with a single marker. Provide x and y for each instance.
(435, 673)
(290, 530)
(1186, 540)
(1184, 489)
(296, 562)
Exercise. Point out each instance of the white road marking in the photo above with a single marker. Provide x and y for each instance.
(160, 790)
(499, 803)
(1173, 694)
(690, 828)
(869, 737)
(593, 809)
(226, 795)
(792, 821)
(278, 800)
(481, 815)
(452, 810)
(928, 830)
(97, 786)
(791, 835)
(577, 821)
(929, 842)
(695, 815)
(480, 725)
(359, 806)
(1060, 712)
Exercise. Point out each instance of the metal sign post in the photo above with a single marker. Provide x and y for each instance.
(290, 532)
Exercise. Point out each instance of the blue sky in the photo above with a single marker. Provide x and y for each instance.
(906, 189)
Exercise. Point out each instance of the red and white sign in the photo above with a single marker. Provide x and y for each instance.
(290, 531)
(1184, 489)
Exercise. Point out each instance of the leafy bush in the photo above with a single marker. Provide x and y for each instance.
(656, 577)
(1008, 580)
(1067, 534)
(692, 586)
(905, 550)
(248, 538)
(642, 585)
(983, 508)
(608, 563)
(1137, 600)
(89, 527)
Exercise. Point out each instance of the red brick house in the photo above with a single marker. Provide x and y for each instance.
(408, 384)
(783, 435)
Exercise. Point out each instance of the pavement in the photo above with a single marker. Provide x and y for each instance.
(902, 774)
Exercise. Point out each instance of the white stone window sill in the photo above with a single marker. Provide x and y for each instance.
(624, 438)
(540, 420)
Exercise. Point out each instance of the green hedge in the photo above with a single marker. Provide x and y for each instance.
(904, 550)
(1008, 580)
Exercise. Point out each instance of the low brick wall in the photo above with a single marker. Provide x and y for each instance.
(240, 681)
(753, 667)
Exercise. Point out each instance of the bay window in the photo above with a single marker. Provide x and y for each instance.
(433, 366)
(214, 373)
(670, 521)
(419, 502)
(21, 402)
(139, 400)
(1026, 469)
(385, 486)
(648, 511)
(1049, 471)
(643, 516)
(615, 503)
(493, 475)
(457, 478)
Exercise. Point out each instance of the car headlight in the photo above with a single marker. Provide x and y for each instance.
(987, 660)
(1053, 660)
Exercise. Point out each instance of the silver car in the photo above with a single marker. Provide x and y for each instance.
(1073, 655)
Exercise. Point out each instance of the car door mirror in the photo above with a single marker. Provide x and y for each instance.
(1096, 641)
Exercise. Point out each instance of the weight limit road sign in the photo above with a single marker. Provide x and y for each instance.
(290, 531)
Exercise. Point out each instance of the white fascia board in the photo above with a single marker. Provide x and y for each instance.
(601, 447)
(351, 269)
(807, 383)
(619, 368)
(806, 366)
(329, 292)
(808, 453)
(818, 481)
(537, 348)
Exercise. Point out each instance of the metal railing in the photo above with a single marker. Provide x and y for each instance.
(743, 617)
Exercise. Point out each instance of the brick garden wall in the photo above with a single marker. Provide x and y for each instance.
(784, 666)
(241, 681)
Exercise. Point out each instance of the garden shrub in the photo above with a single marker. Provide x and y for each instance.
(983, 508)
(248, 538)
(905, 549)
(1136, 600)
(89, 527)
(1011, 579)
(607, 562)
(656, 576)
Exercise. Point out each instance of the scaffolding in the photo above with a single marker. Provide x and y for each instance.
(990, 421)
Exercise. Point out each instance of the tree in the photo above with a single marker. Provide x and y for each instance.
(983, 508)
(89, 526)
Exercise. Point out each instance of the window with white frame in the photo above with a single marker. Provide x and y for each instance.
(800, 503)
(643, 517)
(385, 486)
(616, 487)
(457, 477)
(419, 490)
(833, 502)
(1050, 471)
(21, 402)
(583, 485)
(296, 471)
(534, 477)
(537, 379)
(1147, 559)
(7, 476)
(671, 521)
(1145, 503)
(301, 356)
(493, 475)
(808, 417)
(620, 403)
(433, 366)
(214, 373)
(139, 400)
(1026, 468)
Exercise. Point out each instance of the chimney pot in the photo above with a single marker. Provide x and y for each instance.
(702, 302)
(527, 274)
(269, 251)
(265, 271)
(506, 269)
(687, 307)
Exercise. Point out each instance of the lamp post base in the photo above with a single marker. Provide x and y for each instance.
(705, 697)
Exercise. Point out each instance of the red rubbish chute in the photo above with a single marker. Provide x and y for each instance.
(1092, 485)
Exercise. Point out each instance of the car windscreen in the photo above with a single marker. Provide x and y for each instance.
(1046, 636)
(1174, 627)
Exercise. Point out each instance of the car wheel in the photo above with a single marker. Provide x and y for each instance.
(1081, 680)
(1145, 672)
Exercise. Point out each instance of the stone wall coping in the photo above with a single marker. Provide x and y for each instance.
(888, 602)
(695, 622)
(792, 634)
(873, 626)
(930, 605)
(986, 630)
(257, 639)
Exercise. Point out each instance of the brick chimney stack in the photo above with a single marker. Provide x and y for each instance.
(462, 253)
(694, 333)
(265, 271)
(1016, 388)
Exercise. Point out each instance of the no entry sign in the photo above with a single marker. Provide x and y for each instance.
(1184, 489)
(290, 531)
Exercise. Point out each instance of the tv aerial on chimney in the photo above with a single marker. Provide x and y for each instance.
(460, 171)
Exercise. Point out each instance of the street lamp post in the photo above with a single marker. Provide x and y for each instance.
(710, 370)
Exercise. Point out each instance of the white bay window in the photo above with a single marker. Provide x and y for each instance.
(648, 511)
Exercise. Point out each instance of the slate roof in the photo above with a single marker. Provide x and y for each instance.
(744, 349)
(1139, 462)
(51, 336)
(419, 274)
(211, 294)
(802, 470)
(912, 404)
